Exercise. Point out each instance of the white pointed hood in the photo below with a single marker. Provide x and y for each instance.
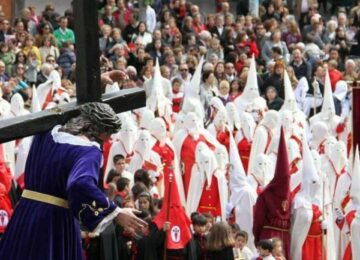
(290, 101)
(263, 169)
(233, 116)
(146, 118)
(338, 155)
(158, 130)
(35, 103)
(143, 145)
(248, 125)
(191, 101)
(287, 122)
(191, 125)
(341, 89)
(222, 157)
(251, 90)
(127, 136)
(157, 100)
(206, 161)
(310, 178)
(17, 105)
(328, 107)
(221, 120)
(193, 89)
(355, 183)
(53, 83)
(319, 132)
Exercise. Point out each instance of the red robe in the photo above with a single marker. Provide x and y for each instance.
(349, 218)
(188, 157)
(224, 138)
(244, 147)
(210, 199)
(312, 247)
(49, 98)
(5, 186)
(269, 222)
(166, 155)
(176, 101)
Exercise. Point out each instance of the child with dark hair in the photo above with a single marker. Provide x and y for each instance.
(199, 223)
(265, 248)
(142, 176)
(123, 191)
(241, 239)
(210, 221)
(137, 189)
(145, 202)
(235, 228)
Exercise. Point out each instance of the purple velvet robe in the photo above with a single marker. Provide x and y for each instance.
(67, 167)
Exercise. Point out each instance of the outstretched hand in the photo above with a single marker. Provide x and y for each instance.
(127, 219)
(111, 77)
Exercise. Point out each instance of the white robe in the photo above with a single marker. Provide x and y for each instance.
(302, 215)
(244, 199)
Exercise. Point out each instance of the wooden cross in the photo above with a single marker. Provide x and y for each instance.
(88, 85)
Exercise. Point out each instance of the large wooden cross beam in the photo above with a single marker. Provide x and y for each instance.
(88, 85)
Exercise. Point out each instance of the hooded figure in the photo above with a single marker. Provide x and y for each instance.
(265, 131)
(290, 104)
(4, 105)
(262, 174)
(17, 108)
(165, 84)
(123, 143)
(342, 102)
(157, 102)
(250, 100)
(146, 117)
(162, 145)
(208, 187)
(319, 135)
(233, 117)
(222, 158)
(145, 158)
(307, 221)
(272, 208)
(244, 138)
(191, 101)
(328, 113)
(354, 218)
(346, 216)
(219, 128)
(243, 195)
(185, 142)
(334, 164)
(47, 90)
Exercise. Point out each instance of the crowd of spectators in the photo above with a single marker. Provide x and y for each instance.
(296, 37)
(178, 33)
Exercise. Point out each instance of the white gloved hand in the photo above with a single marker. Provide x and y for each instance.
(324, 225)
(339, 214)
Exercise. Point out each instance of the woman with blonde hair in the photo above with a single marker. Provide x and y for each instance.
(293, 79)
(293, 35)
(220, 242)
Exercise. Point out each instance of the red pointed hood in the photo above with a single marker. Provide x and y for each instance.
(279, 187)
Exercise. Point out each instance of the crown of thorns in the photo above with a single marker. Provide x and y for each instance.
(102, 115)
